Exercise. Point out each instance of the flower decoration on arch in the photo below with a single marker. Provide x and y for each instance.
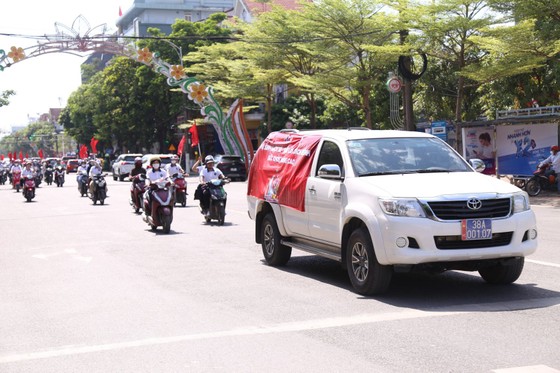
(198, 92)
(177, 72)
(16, 54)
(144, 55)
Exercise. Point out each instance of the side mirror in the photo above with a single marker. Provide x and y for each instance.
(330, 171)
(477, 164)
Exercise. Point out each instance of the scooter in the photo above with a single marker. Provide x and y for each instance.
(218, 199)
(29, 188)
(59, 176)
(99, 189)
(159, 213)
(539, 181)
(3, 176)
(137, 190)
(49, 175)
(83, 183)
(180, 189)
(16, 178)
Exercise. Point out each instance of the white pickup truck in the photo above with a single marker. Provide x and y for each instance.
(385, 201)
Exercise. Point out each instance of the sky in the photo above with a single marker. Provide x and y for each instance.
(45, 81)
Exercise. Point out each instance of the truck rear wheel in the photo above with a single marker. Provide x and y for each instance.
(274, 252)
(367, 276)
(503, 273)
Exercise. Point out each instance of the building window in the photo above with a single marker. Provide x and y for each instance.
(188, 17)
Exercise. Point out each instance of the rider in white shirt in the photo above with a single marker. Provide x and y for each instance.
(554, 161)
(95, 170)
(82, 170)
(154, 174)
(174, 167)
(207, 173)
(28, 171)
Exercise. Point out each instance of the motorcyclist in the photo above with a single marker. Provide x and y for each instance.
(174, 167)
(16, 167)
(155, 173)
(554, 161)
(138, 169)
(82, 170)
(27, 172)
(207, 173)
(94, 170)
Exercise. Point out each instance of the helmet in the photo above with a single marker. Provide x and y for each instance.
(175, 157)
(209, 158)
(554, 148)
(155, 159)
(138, 161)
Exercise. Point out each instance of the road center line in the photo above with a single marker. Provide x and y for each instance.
(299, 326)
(549, 264)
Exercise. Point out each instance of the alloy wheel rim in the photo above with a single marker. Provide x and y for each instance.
(360, 263)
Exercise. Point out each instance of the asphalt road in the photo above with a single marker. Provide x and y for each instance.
(88, 288)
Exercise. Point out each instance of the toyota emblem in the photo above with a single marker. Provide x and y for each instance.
(474, 204)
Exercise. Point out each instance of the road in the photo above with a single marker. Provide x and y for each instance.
(88, 288)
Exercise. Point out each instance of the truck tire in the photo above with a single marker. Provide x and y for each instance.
(274, 252)
(503, 273)
(367, 276)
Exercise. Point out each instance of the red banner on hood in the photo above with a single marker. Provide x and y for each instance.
(281, 167)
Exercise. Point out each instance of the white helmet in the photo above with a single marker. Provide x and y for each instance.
(209, 158)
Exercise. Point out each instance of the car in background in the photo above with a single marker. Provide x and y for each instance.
(123, 165)
(72, 165)
(165, 159)
(52, 161)
(232, 166)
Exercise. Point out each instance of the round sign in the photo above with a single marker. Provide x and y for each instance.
(394, 85)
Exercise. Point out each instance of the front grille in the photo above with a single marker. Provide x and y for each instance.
(455, 242)
(458, 210)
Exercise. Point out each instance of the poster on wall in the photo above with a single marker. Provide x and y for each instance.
(479, 143)
(520, 148)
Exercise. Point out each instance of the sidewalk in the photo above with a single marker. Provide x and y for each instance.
(546, 198)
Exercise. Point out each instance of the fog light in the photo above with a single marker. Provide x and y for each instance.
(532, 234)
(401, 242)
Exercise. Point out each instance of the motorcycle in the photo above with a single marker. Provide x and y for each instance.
(180, 189)
(83, 183)
(59, 176)
(137, 190)
(218, 198)
(3, 176)
(160, 213)
(99, 189)
(29, 188)
(16, 178)
(49, 175)
(539, 181)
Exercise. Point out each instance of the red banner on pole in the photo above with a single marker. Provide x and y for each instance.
(283, 162)
(194, 135)
(181, 146)
(93, 144)
(40, 153)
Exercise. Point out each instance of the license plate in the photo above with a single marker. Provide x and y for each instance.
(233, 169)
(476, 229)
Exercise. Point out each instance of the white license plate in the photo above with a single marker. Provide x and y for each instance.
(233, 169)
(476, 229)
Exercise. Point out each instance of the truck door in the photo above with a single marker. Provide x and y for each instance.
(323, 199)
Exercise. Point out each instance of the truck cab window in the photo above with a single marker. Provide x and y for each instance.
(330, 154)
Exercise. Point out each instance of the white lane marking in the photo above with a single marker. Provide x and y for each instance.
(528, 369)
(298, 326)
(71, 252)
(549, 264)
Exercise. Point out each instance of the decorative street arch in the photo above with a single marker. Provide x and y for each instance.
(81, 38)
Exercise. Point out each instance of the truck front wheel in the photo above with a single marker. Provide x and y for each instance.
(367, 276)
(274, 252)
(503, 273)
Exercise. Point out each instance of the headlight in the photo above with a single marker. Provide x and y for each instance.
(402, 207)
(520, 202)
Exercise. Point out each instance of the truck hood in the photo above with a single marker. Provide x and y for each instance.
(429, 185)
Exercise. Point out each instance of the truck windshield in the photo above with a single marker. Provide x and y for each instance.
(403, 155)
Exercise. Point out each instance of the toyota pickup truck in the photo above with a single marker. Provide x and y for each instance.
(380, 202)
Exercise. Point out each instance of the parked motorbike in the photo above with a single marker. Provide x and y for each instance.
(539, 181)
(83, 183)
(160, 213)
(137, 190)
(59, 176)
(49, 175)
(16, 178)
(29, 188)
(99, 189)
(218, 199)
(180, 188)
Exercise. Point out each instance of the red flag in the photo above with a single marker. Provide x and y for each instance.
(20, 155)
(181, 146)
(2, 157)
(120, 11)
(93, 144)
(194, 135)
(10, 156)
(27, 155)
(83, 151)
(40, 152)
